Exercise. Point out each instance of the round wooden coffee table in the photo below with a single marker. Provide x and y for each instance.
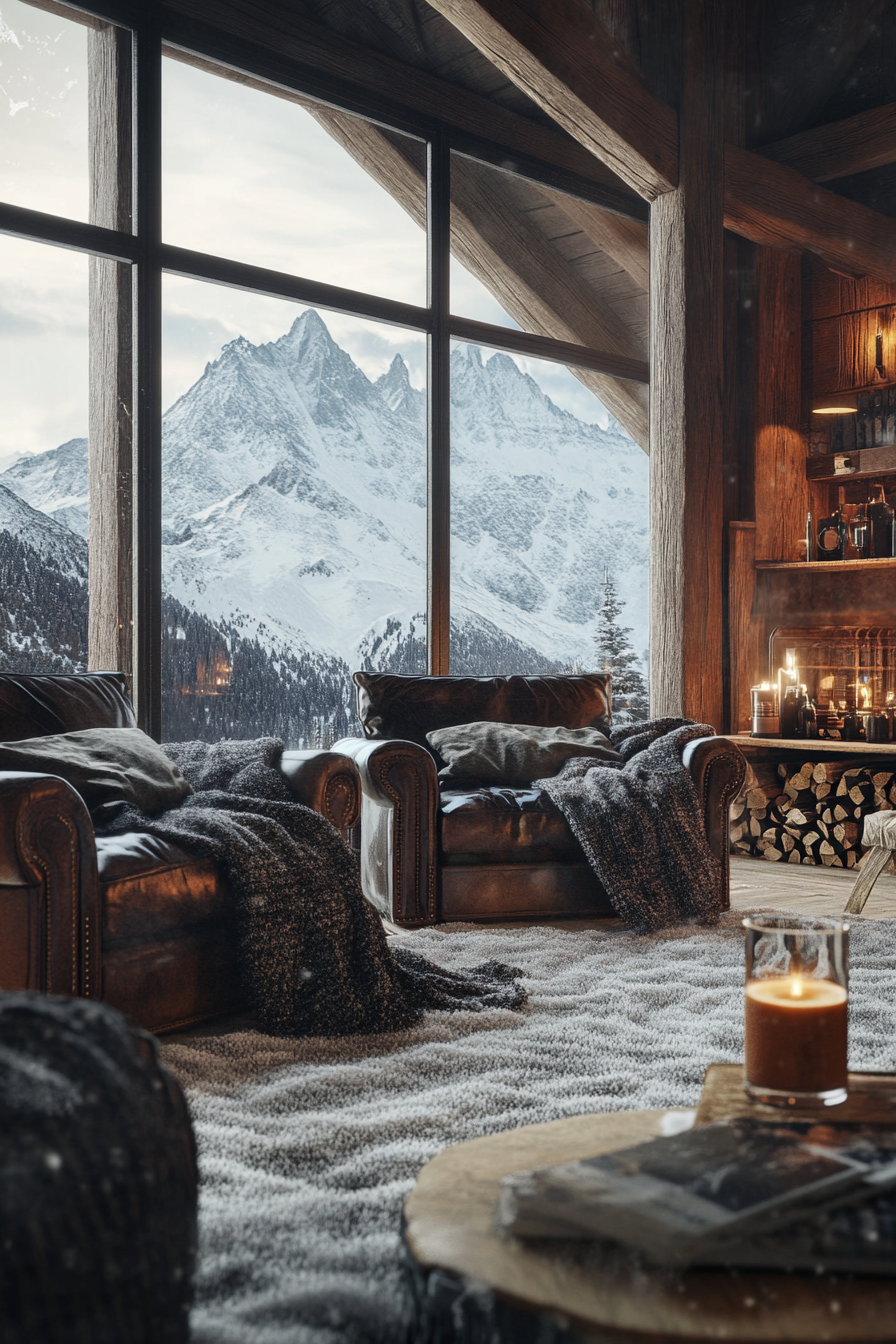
(451, 1239)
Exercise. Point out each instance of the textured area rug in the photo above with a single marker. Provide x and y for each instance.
(308, 1148)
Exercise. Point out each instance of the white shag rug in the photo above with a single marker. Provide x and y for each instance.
(308, 1148)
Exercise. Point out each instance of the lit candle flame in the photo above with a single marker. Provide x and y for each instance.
(796, 986)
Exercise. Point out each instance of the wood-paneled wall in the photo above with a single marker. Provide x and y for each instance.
(844, 317)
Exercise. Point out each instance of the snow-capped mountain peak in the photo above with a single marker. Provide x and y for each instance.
(397, 392)
(294, 490)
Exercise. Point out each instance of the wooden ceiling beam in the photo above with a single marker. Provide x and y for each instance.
(566, 62)
(772, 204)
(854, 145)
(765, 201)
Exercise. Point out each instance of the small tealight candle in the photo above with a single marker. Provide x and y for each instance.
(796, 1011)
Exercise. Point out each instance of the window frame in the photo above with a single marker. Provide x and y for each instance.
(135, 108)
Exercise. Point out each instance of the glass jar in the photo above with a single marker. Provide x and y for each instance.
(795, 1039)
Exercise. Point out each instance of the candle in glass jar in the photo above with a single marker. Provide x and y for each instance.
(795, 1037)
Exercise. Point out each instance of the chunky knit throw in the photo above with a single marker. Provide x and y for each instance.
(641, 825)
(98, 1180)
(313, 955)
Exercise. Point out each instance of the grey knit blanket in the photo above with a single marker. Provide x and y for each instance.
(641, 825)
(313, 955)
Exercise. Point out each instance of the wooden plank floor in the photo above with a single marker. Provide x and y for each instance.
(805, 890)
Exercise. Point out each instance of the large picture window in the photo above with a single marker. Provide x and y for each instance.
(327, 390)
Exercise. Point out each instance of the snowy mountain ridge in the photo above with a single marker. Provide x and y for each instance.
(294, 502)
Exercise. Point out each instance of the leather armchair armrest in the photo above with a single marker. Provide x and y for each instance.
(50, 914)
(327, 782)
(717, 768)
(399, 800)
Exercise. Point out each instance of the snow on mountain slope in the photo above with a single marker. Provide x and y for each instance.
(294, 500)
(542, 505)
(53, 542)
(54, 482)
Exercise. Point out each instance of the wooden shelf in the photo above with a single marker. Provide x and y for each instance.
(826, 745)
(887, 562)
(855, 464)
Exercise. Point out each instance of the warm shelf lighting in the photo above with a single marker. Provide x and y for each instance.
(835, 403)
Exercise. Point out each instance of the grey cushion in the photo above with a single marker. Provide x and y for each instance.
(107, 766)
(514, 753)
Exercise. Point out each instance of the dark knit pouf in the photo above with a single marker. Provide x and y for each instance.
(97, 1180)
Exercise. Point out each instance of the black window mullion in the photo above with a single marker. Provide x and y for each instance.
(438, 244)
(148, 387)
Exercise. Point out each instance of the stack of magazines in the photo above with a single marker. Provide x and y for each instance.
(744, 1192)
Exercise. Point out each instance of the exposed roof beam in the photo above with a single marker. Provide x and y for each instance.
(288, 48)
(867, 140)
(540, 46)
(566, 62)
(779, 207)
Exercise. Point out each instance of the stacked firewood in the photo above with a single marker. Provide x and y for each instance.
(813, 815)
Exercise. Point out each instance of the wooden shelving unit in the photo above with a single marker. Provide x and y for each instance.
(823, 566)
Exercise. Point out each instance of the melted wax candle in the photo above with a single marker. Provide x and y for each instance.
(796, 1034)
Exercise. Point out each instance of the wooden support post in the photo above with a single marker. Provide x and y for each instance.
(438, 345)
(686, 275)
(110, 453)
(148, 392)
(782, 492)
(747, 657)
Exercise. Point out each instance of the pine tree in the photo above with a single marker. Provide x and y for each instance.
(616, 656)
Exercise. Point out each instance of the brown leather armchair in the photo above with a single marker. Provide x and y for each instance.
(429, 856)
(129, 919)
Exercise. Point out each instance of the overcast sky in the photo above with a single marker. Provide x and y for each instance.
(246, 175)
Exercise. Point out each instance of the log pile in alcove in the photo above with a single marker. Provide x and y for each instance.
(815, 814)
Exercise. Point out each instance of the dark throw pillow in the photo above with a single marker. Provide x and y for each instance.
(106, 766)
(514, 753)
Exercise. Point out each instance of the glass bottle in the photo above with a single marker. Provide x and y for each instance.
(807, 719)
(880, 518)
(790, 713)
(858, 532)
